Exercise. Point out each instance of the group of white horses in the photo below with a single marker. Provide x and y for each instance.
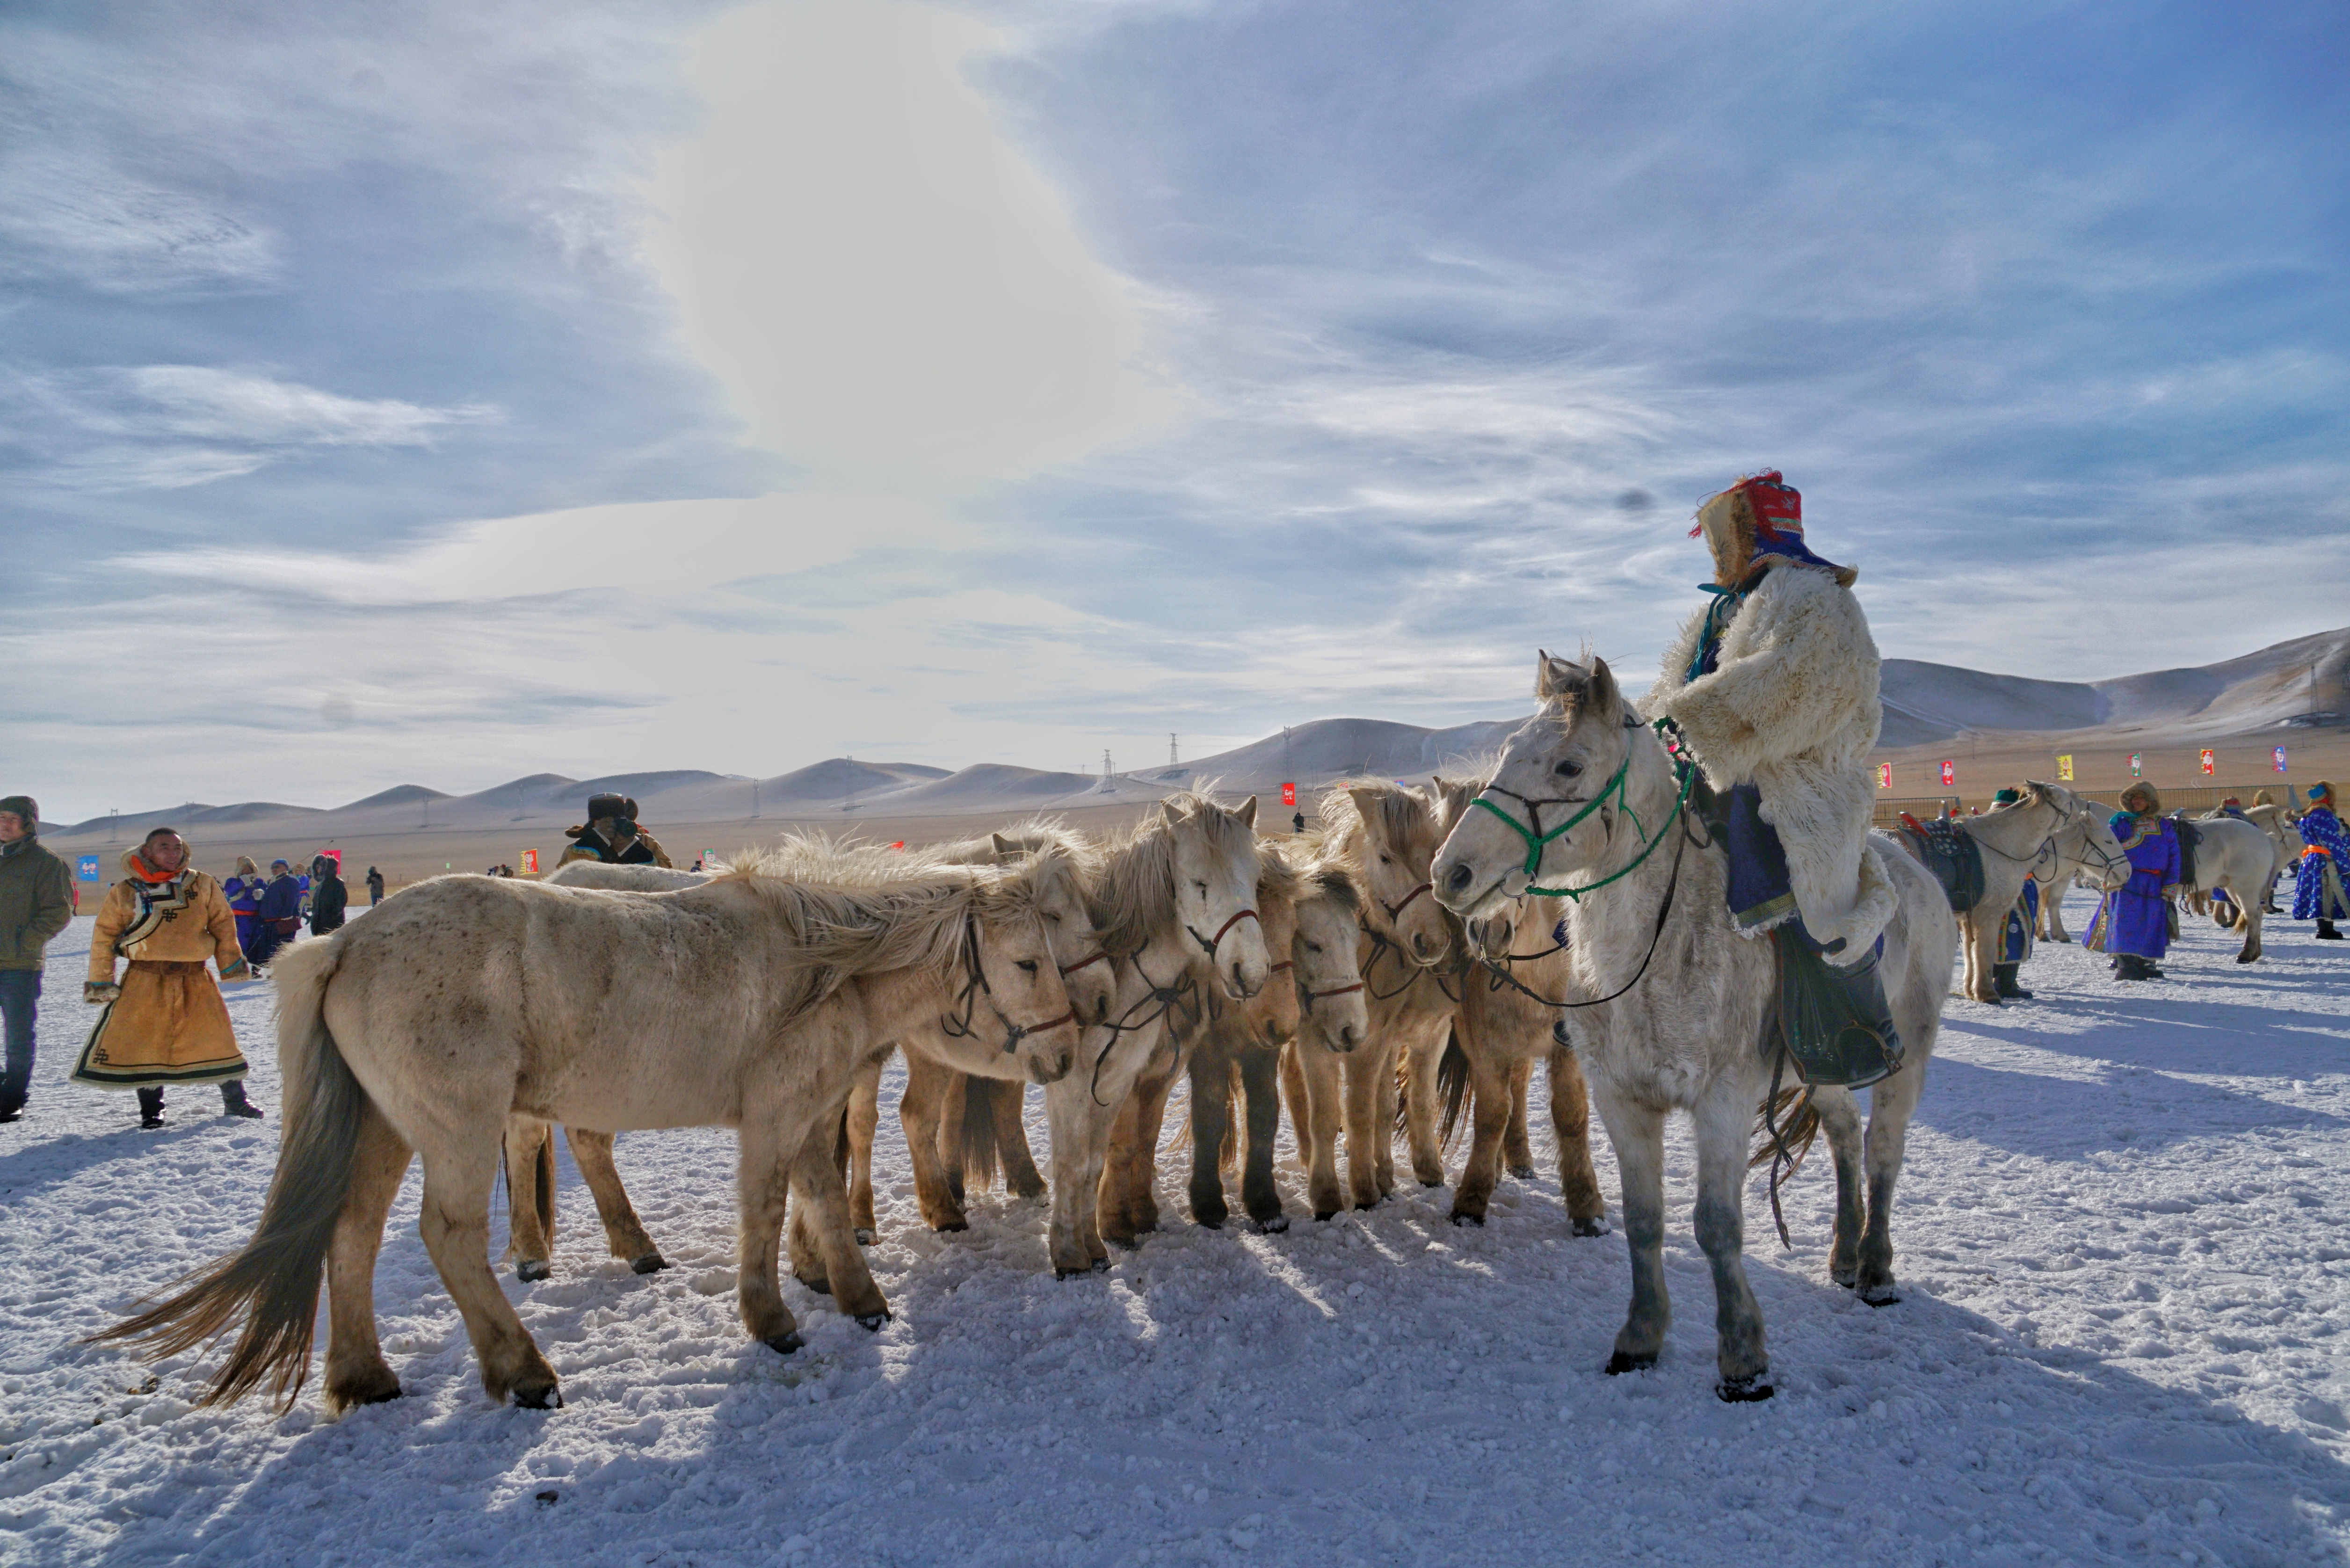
(1393, 967)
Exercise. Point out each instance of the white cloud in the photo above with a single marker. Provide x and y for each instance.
(226, 405)
(888, 290)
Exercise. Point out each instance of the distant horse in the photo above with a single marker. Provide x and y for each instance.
(2049, 827)
(1671, 1002)
(748, 1002)
(2239, 858)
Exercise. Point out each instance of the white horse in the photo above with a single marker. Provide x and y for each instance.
(1670, 1003)
(2049, 827)
(2240, 859)
(748, 1004)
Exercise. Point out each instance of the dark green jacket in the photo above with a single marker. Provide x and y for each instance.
(35, 902)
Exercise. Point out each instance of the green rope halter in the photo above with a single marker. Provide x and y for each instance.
(1537, 844)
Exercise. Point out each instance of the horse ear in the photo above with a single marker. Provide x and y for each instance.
(1602, 698)
(1247, 812)
(1167, 806)
(1004, 847)
(1556, 678)
(1367, 803)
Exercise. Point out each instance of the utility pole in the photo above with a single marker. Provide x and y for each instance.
(1105, 767)
(113, 816)
(1171, 763)
(851, 804)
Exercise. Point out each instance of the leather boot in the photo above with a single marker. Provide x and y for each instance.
(150, 1108)
(2003, 980)
(2326, 933)
(234, 1104)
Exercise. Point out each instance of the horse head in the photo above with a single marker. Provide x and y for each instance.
(1215, 866)
(1057, 873)
(1271, 1014)
(1327, 952)
(1392, 832)
(1012, 999)
(1553, 804)
(2083, 833)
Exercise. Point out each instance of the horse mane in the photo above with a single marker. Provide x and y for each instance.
(1321, 863)
(1134, 894)
(1402, 810)
(855, 910)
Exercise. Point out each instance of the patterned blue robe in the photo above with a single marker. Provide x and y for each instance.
(2135, 919)
(2321, 829)
(2022, 920)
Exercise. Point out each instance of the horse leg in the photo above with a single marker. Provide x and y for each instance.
(530, 1154)
(922, 1112)
(1260, 1081)
(455, 1221)
(823, 1206)
(1212, 1124)
(1151, 1097)
(624, 1233)
(1890, 1105)
(1840, 1120)
(811, 1259)
(1976, 926)
(2051, 912)
(1422, 1103)
(864, 1121)
(2247, 920)
(1570, 1119)
(763, 1184)
(1489, 1124)
(357, 1373)
(1517, 1146)
(1021, 1177)
(955, 1102)
(1316, 1090)
(1370, 1079)
(1723, 1116)
(1079, 1125)
(1638, 1132)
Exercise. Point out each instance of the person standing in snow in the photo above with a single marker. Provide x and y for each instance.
(611, 836)
(2133, 923)
(164, 1020)
(279, 920)
(328, 898)
(2317, 890)
(36, 904)
(244, 894)
(374, 886)
(2015, 937)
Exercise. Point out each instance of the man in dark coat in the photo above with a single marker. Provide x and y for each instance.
(329, 897)
(279, 919)
(611, 836)
(36, 904)
(374, 886)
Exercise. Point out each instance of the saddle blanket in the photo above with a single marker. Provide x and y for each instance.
(1952, 854)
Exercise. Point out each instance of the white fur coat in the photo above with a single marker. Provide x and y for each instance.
(1792, 709)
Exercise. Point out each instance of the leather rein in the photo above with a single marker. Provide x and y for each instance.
(976, 986)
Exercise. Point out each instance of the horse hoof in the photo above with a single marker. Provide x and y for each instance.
(952, 1226)
(1204, 1224)
(871, 1322)
(1620, 1363)
(865, 1236)
(382, 1393)
(1523, 1172)
(821, 1285)
(1324, 1216)
(1596, 1226)
(1431, 1186)
(1272, 1227)
(784, 1343)
(1879, 1296)
(538, 1397)
(1462, 1217)
(1744, 1390)
(650, 1263)
(532, 1269)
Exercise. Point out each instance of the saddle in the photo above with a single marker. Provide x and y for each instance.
(1834, 1024)
(2189, 835)
(1952, 854)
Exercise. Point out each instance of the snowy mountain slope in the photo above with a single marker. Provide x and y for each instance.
(2123, 1339)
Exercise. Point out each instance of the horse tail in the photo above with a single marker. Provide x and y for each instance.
(1293, 1090)
(1451, 1087)
(271, 1282)
(1798, 1121)
(544, 1160)
(1228, 1159)
(982, 1155)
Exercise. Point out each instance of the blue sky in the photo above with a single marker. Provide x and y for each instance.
(449, 391)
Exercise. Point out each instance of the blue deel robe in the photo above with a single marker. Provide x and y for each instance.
(244, 894)
(2015, 942)
(2321, 830)
(2135, 919)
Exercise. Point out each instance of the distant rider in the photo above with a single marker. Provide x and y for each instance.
(611, 836)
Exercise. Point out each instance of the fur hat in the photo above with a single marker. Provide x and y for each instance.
(2263, 798)
(26, 807)
(2142, 789)
(245, 867)
(1759, 517)
(603, 806)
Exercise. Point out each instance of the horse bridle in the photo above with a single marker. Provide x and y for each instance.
(1210, 946)
(976, 986)
(1185, 984)
(1395, 911)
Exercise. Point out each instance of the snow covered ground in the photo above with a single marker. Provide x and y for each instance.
(2126, 1335)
